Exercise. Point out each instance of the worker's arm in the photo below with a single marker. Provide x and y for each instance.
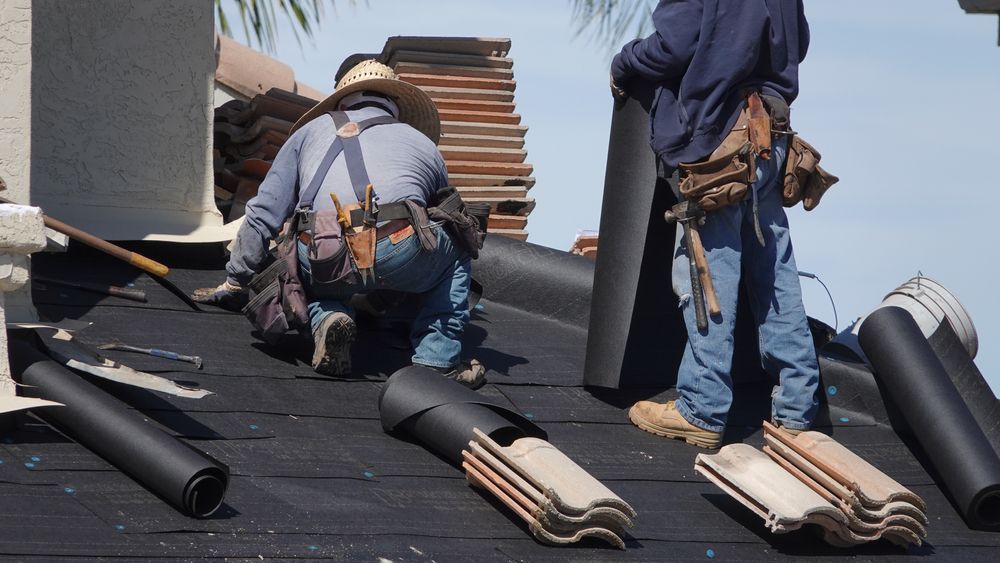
(665, 54)
(264, 216)
(266, 213)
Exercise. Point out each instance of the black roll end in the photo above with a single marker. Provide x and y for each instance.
(205, 492)
(985, 510)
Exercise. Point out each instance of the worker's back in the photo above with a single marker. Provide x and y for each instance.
(703, 55)
(402, 163)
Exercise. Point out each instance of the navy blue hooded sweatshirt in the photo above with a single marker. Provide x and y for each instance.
(703, 55)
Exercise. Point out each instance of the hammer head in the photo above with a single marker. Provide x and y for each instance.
(684, 211)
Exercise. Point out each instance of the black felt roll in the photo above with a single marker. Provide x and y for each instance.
(915, 381)
(441, 413)
(191, 481)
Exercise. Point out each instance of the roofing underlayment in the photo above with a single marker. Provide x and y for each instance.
(314, 475)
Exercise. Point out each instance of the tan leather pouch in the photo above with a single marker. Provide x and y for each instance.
(725, 176)
(805, 179)
(362, 243)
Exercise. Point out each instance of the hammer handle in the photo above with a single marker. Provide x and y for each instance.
(698, 250)
(701, 319)
(137, 260)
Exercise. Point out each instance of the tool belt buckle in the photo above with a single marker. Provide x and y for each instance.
(305, 219)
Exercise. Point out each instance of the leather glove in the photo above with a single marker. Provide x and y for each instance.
(228, 295)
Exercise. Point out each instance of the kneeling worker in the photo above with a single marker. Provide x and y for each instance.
(371, 145)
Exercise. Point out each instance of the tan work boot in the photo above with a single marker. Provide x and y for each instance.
(663, 419)
(333, 339)
(472, 374)
(790, 431)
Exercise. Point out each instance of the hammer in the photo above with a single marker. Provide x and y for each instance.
(687, 213)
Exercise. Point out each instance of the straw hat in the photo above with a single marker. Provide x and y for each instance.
(415, 106)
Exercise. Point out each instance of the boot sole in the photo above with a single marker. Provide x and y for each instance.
(333, 354)
(676, 434)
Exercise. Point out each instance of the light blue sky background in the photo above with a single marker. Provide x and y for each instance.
(900, 97)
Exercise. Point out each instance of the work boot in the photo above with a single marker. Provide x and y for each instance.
(333, 339)
(790, 431)
(472, 374)
(663, 419)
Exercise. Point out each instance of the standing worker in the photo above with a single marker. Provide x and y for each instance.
(351, 190)
(726, 72)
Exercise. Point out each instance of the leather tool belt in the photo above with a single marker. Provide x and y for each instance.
(725, 176)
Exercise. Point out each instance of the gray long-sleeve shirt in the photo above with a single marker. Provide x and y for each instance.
(402, 164)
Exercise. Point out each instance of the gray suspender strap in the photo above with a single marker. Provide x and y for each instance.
(351, 147)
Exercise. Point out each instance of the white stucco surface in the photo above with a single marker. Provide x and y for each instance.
(15, 97)
(22, 232)
(120, 105)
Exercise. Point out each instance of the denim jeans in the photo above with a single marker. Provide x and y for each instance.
(442, 277)
(786, 347)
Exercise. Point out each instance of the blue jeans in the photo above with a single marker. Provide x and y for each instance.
(442, 276)
(786, 347)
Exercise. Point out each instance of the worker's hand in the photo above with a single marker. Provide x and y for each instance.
(618, 70)
(617, 91)
(229, 296)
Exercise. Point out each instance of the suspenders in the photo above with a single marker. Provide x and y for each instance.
(347, 142)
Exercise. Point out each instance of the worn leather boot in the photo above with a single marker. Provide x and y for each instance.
(471, 374)
(663, 419)
(333, 339)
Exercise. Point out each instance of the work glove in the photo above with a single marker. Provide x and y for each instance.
(228, 295)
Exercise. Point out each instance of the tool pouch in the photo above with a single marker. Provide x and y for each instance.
(724, 177)
(279, 302)
(361, 241)
(330, 258)
(805, 180)
(466, 230)
(421, 223)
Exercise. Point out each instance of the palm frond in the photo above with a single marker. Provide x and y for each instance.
(609, 22)
(260, 18)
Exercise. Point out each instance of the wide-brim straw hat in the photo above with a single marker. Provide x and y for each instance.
(415, 107)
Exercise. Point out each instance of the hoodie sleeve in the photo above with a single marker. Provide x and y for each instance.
(266, 213)
(665, 54)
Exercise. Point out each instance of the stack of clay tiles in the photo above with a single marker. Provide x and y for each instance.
(812, 479)
(560, 502)
(471, 80)
(247, 138)
(585, 244)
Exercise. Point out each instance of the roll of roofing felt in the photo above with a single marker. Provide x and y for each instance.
(534, 278)
(914, 379)
(191, 481)
(636, 333)
(441, 413)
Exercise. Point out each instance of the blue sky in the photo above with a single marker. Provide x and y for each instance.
(900, 96)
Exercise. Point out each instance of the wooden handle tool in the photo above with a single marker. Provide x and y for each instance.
(137, 260)
(703, 273)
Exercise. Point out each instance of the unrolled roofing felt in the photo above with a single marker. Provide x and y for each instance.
(314, 475)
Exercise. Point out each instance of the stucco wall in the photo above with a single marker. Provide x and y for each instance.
(15, 97)
(121, 94)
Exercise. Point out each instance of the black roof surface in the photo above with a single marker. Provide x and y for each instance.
(314, 476)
